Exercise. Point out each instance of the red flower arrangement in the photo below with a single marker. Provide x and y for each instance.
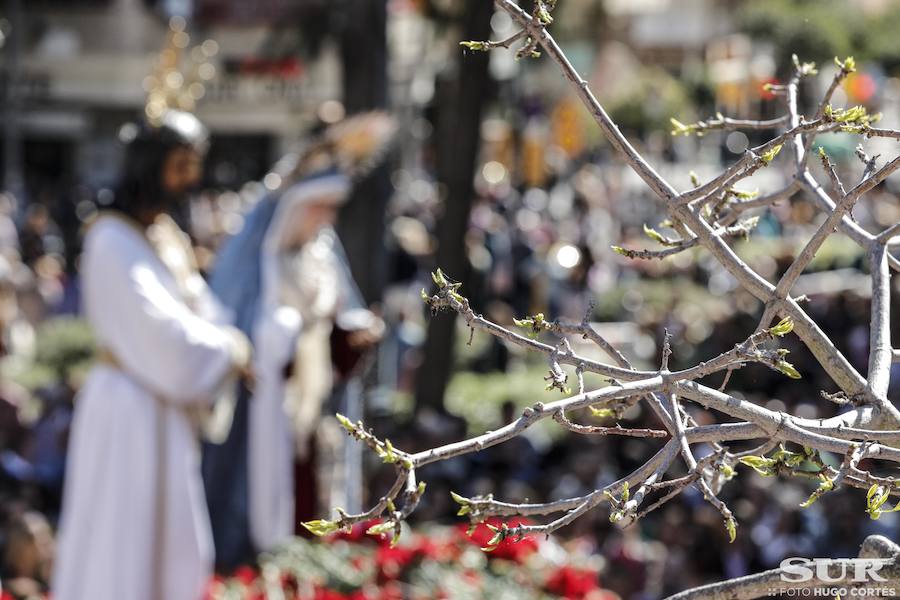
(434, 563)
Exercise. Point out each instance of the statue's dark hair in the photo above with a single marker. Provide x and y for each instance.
(140, 187)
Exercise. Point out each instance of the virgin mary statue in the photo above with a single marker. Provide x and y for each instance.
(287, 281)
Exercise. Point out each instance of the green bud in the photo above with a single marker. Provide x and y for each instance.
(654, 235)
(826, 486)
(763, 466)
(784, 327)
(464, 506)
(320, 527)
(744, 195)
(345, 423)
(543, 15)
(679, 128)
(804, 69)
(769, 156)
(726, 470)
(876, 498)
(380, 528)
(388, 454)
(439, 279)
(848, 65)
(788, 369)
(602, 413)
(474, 45)
(499, 536)
(731, 528)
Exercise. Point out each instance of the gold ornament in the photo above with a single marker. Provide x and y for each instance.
(179, 77)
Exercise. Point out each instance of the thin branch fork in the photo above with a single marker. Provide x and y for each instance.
(560, 417)
(750, 156)
(836, 81)
(827, 228)
(847, 226)
(533, 414)
(832, 174)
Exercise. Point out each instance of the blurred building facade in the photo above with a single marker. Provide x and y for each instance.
(80, 73)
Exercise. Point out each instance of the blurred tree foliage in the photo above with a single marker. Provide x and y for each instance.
(64, 349)
(648, 103)
(822, 29)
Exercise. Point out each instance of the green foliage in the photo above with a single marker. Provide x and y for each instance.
(64, 343)
(477, 397)
(767, 467)
(823, 29)
(648, 101)
(64, 350)
(657, 300)
(855, 116)
(814, 29)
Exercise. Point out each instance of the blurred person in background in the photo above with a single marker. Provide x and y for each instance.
(287, 280)
(134, 522)
(12, 397)
(9, 235)
(27, 554)
(39, 235)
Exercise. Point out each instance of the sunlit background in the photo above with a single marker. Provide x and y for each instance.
(500, 177)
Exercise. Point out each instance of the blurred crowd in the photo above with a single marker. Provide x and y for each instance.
(531, 249)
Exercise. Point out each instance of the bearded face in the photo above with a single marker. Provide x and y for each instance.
(181, 173)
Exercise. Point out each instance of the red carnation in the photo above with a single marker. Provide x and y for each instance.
(246, 575)
(572, 583)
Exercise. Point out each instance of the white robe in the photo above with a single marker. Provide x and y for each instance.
(134, 521)
(300, 288)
